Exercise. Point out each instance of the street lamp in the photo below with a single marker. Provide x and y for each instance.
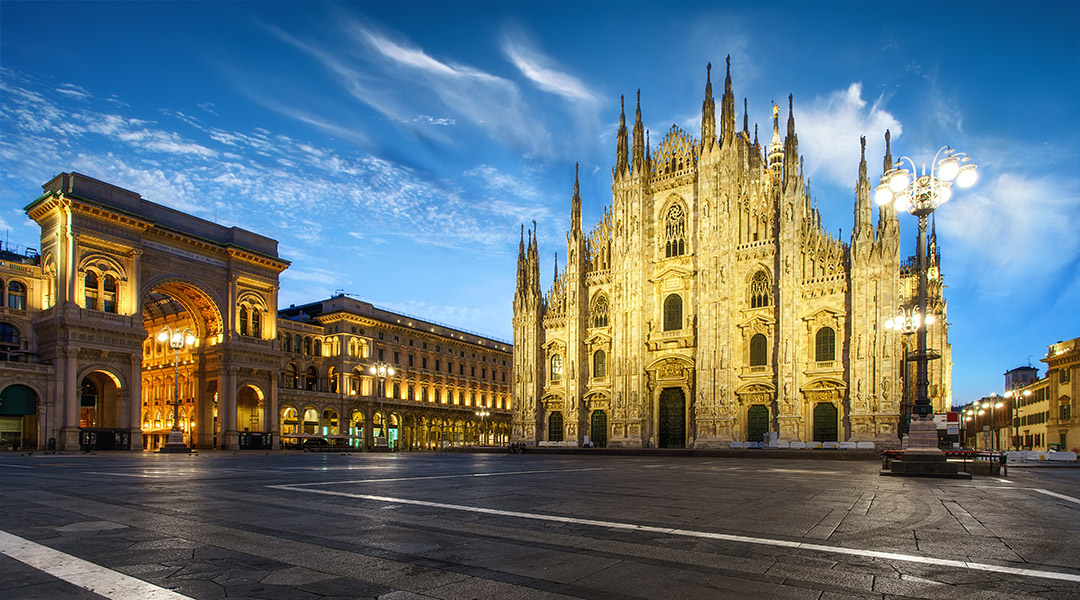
(907, 323)
(483, 414)
(381, 371)
(177, 340)
(1015, 396)
(920, 195)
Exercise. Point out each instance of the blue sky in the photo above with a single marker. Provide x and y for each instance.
(394, 149)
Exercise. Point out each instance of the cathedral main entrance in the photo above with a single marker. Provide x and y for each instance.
(671, 432)
(598, 429)
(757, 422)
(825, 422)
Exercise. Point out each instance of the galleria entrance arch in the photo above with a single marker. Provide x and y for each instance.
(125, 269)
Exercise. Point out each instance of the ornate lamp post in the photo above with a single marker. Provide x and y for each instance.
(178, 340)
(920, 195)
(907, 323)
(1015, 396)
(483, 414)
(381, 371)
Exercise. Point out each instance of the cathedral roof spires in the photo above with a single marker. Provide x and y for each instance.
(575, 206)
(745, 118)
(727, 111)
(621, 158)
(639, 138)
(888, 154)
(862, 233)
(708, 112)
(791, 147)
(776, 149)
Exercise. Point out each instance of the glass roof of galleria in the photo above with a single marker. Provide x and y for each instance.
(159, 305)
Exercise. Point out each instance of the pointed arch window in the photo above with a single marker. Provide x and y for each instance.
(758, 350)
(760, 290)
(556, 368)
(673, 317)
(90, 291)
(599, 362)
(675, 231)
(600, 311)
(16, 295)
(825, 344)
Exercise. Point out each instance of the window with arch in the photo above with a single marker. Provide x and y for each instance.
(256, 322)
(292, 377)
(825, 344)
(9, 340)
(675, 231)
(673, 317)
(599, 364)
(556, 368)
(760, 290)
(297, 342)
(332, 379)
(286, 342)
(316, 348)
(600, 311)
(90, 291)
(243, 320)
(307, 345)
(16, 295)
(311, 380)
(108, 294)
(758, 350)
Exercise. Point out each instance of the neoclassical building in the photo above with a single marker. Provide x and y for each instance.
(81, 366)
(709, 305)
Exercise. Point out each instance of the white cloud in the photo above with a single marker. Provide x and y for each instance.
(540, 69)
(70, 89)
(1013, 230)
(829, 128)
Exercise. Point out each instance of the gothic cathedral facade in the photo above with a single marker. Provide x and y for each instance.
(710, 306)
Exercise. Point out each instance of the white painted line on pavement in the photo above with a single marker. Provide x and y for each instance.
(292, 485)
(1057, 495)
(87, 575)
(142, 475)
(16, 466)
(1071, 576)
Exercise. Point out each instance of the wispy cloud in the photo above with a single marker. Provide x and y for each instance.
(829, 128)
(1013, 230)
(541, 70)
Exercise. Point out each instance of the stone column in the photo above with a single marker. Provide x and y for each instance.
(272, 416)
(227, 409)
(134, 416)
(69, 425)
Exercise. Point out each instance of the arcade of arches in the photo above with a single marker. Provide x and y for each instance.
(82, 365)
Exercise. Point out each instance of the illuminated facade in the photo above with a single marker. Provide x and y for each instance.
(710, 306)
(80, 365)
(1062, 391)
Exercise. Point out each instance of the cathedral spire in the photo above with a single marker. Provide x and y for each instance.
(862, 200)
(776, 149)
(639, 138)
(727, 111)
(575, 206)
(791, 147)
(745, 118)
(621, 157)
(708, 112)
(888, 155)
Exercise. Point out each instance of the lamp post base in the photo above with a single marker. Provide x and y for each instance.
(922, 457)
(176, 444)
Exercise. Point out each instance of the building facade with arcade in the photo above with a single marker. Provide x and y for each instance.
(82, 365)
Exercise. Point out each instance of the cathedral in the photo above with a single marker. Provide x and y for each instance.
(710, 307)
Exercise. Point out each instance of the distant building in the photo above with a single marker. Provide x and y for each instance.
(81, 365)
(709, 305)
(1063, 391)
(1020, 376)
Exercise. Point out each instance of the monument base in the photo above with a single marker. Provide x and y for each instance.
(921, 457)
(175, 445)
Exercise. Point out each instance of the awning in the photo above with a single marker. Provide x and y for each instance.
(18, 400)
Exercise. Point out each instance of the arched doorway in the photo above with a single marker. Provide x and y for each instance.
(598, 429)
(179, 306)
(671, 426)
(290, 427)
(825, 422)
(555, 427)
(18, 418)
(757, 422)
(100, 413)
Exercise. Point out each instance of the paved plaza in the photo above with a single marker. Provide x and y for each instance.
(455, 525)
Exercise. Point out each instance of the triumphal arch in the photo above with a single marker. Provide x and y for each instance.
(117, 270)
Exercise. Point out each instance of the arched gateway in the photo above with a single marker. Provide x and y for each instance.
(127, 269)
